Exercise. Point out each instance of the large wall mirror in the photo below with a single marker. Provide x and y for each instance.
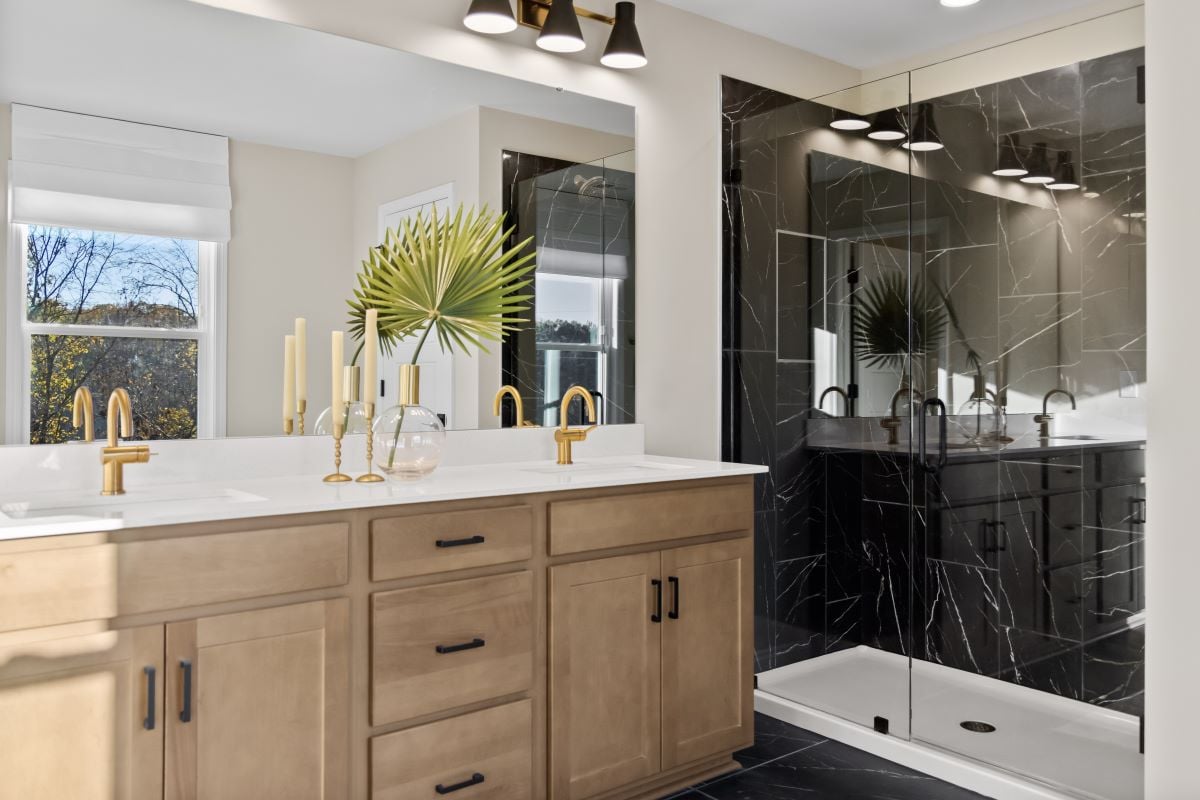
(186, 181)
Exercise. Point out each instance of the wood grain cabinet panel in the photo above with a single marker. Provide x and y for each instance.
(605, 652)
(81, 715)
(708, 641)
(257, 704)
(425, 544)
(488, 753)
(450, 644)
(577, 526)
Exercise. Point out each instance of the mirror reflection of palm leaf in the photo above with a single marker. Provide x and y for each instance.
(881, 322)
(450, 275)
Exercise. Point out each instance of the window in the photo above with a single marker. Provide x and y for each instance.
(103, 310)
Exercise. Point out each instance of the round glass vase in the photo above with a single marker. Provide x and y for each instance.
(409, 438)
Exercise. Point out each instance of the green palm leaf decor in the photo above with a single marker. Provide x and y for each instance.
(881, 321)
(451, 275)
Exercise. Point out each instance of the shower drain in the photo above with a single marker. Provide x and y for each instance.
(975, 726)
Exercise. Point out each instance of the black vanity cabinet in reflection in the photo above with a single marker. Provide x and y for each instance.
(1025, 566)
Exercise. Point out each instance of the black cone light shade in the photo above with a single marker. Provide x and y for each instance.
(1040, 170)
(1064, 173)
(925, 136)
(845, 121)
(1008, 162)
(887, 126)
(561, 32)
(624, 50)
(490, 16)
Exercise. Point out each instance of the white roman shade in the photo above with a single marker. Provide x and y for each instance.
(563, 261)
(94, 173)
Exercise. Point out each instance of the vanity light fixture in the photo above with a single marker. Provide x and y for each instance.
(561, 32)
(887, 126)
(1064, 173)
(845, 121)
(925, 137)
(1008, 162)
(1040, 171)
(490, 16)
(624, 49)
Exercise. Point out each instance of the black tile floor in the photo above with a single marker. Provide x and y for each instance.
(790, 762)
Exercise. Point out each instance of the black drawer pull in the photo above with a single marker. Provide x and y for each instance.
(148, 722)
(1139, 511)
(458, 648)
(459, 542)
(185, 714)
(674, 612)
(474, 780)
(657, 615)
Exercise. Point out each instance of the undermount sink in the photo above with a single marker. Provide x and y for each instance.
(598, 469)
(144, 501)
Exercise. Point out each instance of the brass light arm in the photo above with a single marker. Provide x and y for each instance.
(115, 456)
(564, 435)
(83, 413)
(512, 392)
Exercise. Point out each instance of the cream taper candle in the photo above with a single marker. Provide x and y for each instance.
(301, 360)
(370, 356)
(337, 362)
(289, 381)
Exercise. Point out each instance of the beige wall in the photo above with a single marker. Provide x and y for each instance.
(288, 257)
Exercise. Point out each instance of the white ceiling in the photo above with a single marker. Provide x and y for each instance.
(184, 65)
(869, 33)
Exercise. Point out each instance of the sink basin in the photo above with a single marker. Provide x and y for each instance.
(597, 470)
(142, 502)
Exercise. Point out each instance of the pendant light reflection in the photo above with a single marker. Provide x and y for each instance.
(925, 137)
(490, 16)
(887, 126)
(845, 121)
(561, 32)
(624, 49)
(1008, 162)
(1040, 171)
(1064, 173)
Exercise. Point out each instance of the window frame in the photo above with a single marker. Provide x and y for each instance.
(209, 334)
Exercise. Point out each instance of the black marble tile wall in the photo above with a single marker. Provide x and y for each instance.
(1030, 571)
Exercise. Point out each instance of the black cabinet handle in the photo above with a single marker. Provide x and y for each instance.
(657, 615)
(1139, 511)
(922, 446)
(674, 612)
(148, 722)
(459, 542)
(458, 648)
(474, 780)
(185, 713)
(998, 527)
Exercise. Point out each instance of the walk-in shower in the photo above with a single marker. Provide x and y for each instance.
(950, 546)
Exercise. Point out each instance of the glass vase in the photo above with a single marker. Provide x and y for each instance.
(409, 438)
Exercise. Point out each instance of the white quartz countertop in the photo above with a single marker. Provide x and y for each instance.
(56, 513)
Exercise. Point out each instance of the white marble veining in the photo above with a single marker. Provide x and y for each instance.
(49, 513)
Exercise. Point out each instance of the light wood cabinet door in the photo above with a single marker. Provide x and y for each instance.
(256, 705)
(708, 644)
(605, 656)
(81, 714)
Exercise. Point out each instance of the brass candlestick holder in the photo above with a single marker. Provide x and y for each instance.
(370, 477)
(287, 427)
(301, 407)
(337, 476)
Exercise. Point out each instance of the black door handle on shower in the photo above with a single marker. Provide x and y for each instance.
(674, 612)
(185, 712)
(922, 445)
(148, 722)
(657, 615)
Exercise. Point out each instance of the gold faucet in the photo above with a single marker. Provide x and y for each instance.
(83, 414)
(565, 436)
(1045, 417)
(835, 390)
(892, 424)
(512, 392)
(115, 456)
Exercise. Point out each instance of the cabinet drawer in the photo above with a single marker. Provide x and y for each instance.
(492, 748)
(450, 644)
(577, 526)
(425, 544)
(71, 584)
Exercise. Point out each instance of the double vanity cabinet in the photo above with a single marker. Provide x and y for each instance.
(587, 643)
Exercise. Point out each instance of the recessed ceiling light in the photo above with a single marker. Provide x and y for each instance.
(958, 3)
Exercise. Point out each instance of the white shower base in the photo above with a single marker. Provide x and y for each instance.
(1041, 740)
